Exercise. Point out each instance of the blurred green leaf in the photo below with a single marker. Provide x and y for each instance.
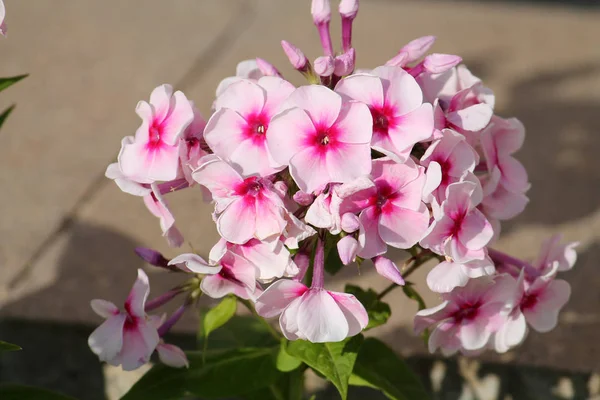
(9, 391)
(5, 346)
(240, 331)
(289, 387)
(334, 360)
(285, 361)
(5, 114)
(218, 316)
(222, 374)
(378, 366)
(6, 82)
(379, 311)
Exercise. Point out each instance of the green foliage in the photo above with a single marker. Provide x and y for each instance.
(218, 316)
(333, 263)
(377, 366)
(5, 114)
(221, 374)
(9, 391)
(5, 346)
(379, 312)
(334, 361)
(7, 82)
(240, 331)
(286, 362)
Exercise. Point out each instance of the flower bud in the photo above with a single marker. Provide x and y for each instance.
(324, 66)
(152, 257)
(321, 11)
(295, 55)
(348, 8)
(344, 63)
(267, 68)
(439, 63)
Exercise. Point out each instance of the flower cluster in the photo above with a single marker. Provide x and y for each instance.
(408, 155)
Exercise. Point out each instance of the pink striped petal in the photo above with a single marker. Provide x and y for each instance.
(278, 296)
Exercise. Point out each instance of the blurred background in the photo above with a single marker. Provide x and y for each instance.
(67, 234)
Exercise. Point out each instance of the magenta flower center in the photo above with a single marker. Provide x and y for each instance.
(324, 139)
(529, 301)
(256, 127)
(154, 134)
(467, 312)
(382, 119)
(250, 187)
(381, 199)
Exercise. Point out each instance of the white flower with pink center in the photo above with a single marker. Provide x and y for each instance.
(154, 153)
(469, 315)
(400, 118)
(246, 208)
(460, 231)
(391, 210)
(127, 338)
(238, 129)
(322, 138)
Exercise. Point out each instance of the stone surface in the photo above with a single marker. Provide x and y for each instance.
(90, 64)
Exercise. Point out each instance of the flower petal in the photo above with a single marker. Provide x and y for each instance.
(194, 263)
(320, 318)
(134, 305)
(107, 340)
(172, 356)
(278, 296)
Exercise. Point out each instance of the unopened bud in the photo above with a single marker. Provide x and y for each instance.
(344, 63)
(152, 257)
(295, 55)
(439, 63)
(348, 8)
(321, 11)
(324, 66)
(267, 68)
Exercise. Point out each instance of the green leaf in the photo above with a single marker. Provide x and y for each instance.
(222, 374)
(377, 366)
(240, 331)
(6, 82)
(218, 316)
(9, 391)
(379, 312)
(334, 360)
(289, 387)
(5, 346)
(286, 362)
(5, 114)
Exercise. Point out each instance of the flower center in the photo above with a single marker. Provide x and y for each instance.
(250, 187)
(529, 301)
(260, 129)
(381, 123)
(154, 134)
(323, 138)
(467, 312)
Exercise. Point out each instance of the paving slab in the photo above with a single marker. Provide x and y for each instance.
(542, 62)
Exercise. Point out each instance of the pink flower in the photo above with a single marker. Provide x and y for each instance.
(246, 208)
(154, 154)
(190, 262)
(129, 337)
(193, 146)
(468, 316)
(321, 138)
(552, 252)
(171, 355)
(448, 160)
(2, 22)
(314, 314)
(499, 141)
(159, 208)
(237, 276)
(412, 52)
(391, 210)
(461, 231)
(271, 259)
(237, 131)
(247, 69)
(499, 203)
(447, 275)
(400, 119)
(324, 212)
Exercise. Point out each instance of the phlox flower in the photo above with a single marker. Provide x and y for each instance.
(460, 231)
(391, 210)
(154, 153)
(237, 276)
(237, 131)
(498, 202)
(2, 16)
(247, 69)
(245, 208)
(157, 205)
(322, 138)
(193, 146)
(468, 316)
(501, 139)
(564, 255)
(448, 160)
(127, 338)
(314, 314)
(447, 275)
(400, 118)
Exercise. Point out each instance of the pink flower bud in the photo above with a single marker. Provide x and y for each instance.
(418, 47)
(348, 8)
(388, 269)
(267, 68)
(295, 55)
(324, 66)
(344, 63)
(321, 11)
(152, 257)
(439, 63)
(302, 198)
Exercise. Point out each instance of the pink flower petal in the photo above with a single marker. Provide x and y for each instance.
(353, 310)
(140, 161)
(429, 316)
(355, 123)
(543, 317)
(194, 263)
(511, 334)
(473, 118)
(373, 246)
(403, 228)
(400, 89)
(277, 91)
(309, 170)
(348, 248)
(412, 127)
(288, 322)
(161, 100)
(172, 356)
(322, 104)
(224, 131)
(137, 297)
(104, 308)
(218, 176)
(107, 340)
(475, 231)
(278, 296)
(347, 162)
(362, 87)
(179, 118)
(229, 226)
(245, 97)
(139, 343)
(287, 134)
(446, 276)
(320, 318)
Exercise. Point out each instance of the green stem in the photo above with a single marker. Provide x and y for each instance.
(250, 307)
